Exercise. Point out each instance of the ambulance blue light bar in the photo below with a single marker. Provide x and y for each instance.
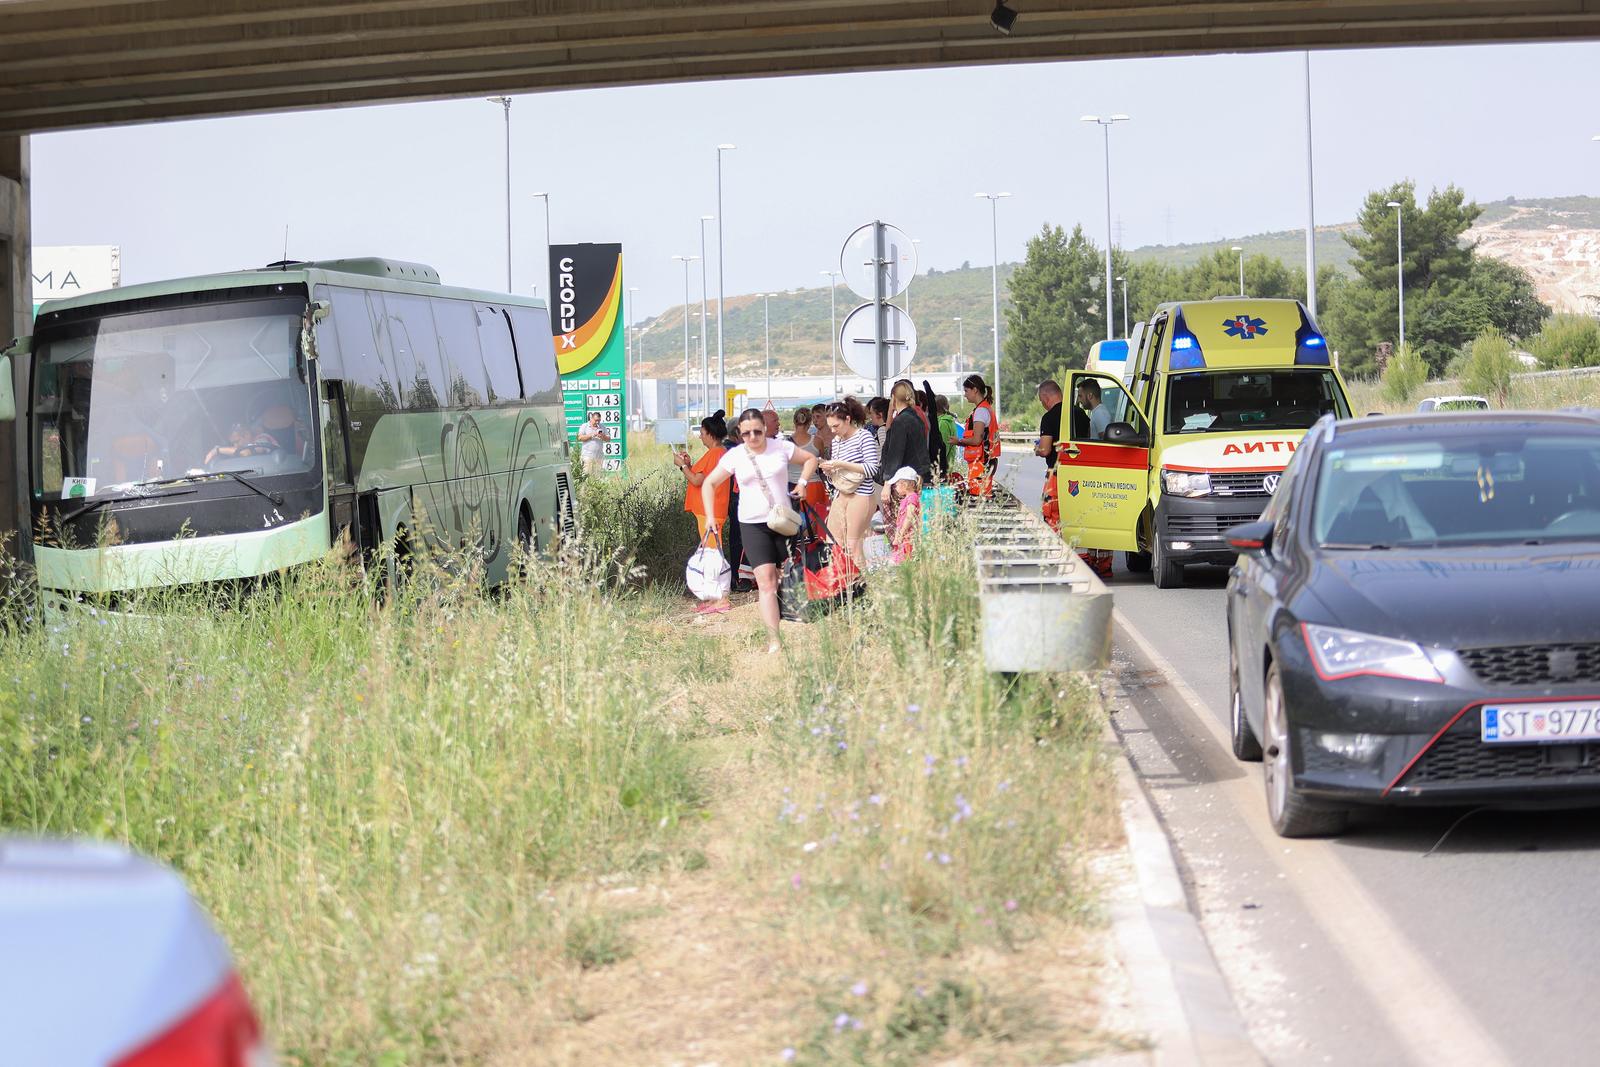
(1186, 352)
(1310, 347)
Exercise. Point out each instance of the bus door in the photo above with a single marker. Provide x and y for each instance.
(343, 517)
(1103, 467)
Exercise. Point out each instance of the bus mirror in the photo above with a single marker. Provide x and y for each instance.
(8, 398)
(319, 310)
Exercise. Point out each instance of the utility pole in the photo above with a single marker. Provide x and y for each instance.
(505, 103)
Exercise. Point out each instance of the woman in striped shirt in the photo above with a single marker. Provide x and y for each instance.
(855, 452)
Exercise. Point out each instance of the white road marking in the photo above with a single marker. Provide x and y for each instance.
(1421, 1008)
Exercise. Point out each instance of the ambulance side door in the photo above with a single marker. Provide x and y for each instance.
(1103, 481)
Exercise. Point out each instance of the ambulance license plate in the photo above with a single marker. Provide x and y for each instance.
(1525, 723)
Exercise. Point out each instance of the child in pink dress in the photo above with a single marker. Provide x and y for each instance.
(905, 489)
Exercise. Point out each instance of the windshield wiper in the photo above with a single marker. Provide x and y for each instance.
(1379, 547)
(274, 498)
(62, 520)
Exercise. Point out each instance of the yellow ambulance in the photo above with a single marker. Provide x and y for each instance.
(1193, 436)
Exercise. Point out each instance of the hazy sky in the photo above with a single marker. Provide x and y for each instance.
(1217, 142)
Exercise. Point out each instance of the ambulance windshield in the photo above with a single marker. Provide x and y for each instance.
(1229, 401)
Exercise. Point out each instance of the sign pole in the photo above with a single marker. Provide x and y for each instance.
(881, 313)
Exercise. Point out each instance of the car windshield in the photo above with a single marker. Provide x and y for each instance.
(127, 400)
(1290, 399)
(1488, 486)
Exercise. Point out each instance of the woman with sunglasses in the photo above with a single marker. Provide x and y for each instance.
(761, 467)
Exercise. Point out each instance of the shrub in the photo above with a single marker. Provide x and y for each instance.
(1404, 375)
(1489, 366)
(1568, 341)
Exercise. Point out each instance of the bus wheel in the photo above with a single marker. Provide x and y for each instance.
(525, 537)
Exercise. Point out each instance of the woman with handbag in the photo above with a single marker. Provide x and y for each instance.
(851, 471)
(766, 521)
(712, 431)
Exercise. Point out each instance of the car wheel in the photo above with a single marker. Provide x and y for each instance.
(1168, 572)
(1292, 815)
(1138, 562)
(1245, 745)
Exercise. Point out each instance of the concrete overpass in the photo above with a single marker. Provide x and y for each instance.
(75, 64)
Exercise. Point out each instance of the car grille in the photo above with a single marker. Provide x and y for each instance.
(1461, 757)
(1240, 483)
(1205, 525)
(1534, 664)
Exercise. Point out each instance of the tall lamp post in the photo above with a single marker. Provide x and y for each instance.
(705, 366)
(722, 366)
(1239, 249)
(505, 102)
(549, 282)
(766, 317)
(833, 324)
(685, 260)
(1122, 279)
(633, 351)
(994, 281)
(1400, 262)
(1105, 123)
(961, 344)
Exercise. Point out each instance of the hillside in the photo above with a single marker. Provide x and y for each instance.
(1556, 240)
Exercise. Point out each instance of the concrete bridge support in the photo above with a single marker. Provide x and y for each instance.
(16, 317)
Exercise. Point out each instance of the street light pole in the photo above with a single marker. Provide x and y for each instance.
(833, 324)
(961, 343)
(705, 366)
(505, 102)
(722, 366)
(1311, 206)
(1105, 123)
(549, 278)
(766, 317)
(1400, 263)
(1240, 250)
(633, 350)
(686, 260)
(1124, 280)
(994, 281)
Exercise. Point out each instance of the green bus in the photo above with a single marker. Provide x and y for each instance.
(223, 428)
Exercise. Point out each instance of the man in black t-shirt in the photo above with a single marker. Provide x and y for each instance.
(1050, 396)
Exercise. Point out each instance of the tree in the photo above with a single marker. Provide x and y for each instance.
(1489, 366)
(1054, 315)
(1568, 341)
(1403, 376)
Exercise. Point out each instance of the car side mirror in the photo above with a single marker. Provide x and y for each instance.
(1123, 433)
(1251, 538)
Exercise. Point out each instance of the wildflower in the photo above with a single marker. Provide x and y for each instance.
(875, 799)
(841, 1021)
(809, 846)
(961, 761)
(927, 765)
(1011, 905)
(912, 709)
(944, 859)
(843, 746)
(796, 881)
(963, 809)
(789, 1055)
(860, 989)
(1003, 786)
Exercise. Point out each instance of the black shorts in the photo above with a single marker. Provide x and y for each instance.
(761, 545)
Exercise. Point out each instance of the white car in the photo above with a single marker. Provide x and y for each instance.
(1454, 403)
(106, 961)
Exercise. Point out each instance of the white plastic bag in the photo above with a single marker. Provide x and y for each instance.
(877, 551)
(708, 575)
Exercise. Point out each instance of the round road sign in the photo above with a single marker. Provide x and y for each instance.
(860, 252)
(858, 341)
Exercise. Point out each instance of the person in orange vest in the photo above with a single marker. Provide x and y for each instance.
(981, 439)
(1051, 396)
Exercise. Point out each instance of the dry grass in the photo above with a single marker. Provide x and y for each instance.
(1537, 394)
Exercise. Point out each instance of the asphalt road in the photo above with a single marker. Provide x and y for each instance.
(1432, 936)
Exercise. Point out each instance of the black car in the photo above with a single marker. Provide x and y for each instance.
(1416, 617)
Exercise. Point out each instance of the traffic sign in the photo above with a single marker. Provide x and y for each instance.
(857, 259)
(858, 342)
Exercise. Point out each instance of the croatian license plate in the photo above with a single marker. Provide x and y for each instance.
(1541, 722)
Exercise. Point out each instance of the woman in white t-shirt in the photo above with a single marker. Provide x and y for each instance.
(762, 469)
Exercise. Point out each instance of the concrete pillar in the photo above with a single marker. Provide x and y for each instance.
(16, 319)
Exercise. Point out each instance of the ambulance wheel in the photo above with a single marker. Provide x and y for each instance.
(1168, 572)
(1138, 562)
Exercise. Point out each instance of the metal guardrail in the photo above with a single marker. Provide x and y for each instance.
(1043, 608)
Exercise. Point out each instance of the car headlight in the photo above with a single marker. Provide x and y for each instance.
(1185, 483)
(1339, 653)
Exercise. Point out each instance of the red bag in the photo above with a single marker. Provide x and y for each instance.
(838, 576)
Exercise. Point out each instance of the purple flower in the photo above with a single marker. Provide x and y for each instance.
(1011, 905)
(944, 858)
(860, 989)
(841, 1021)
(788, 1055)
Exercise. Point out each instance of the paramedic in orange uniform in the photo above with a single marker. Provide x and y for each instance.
(981, 442)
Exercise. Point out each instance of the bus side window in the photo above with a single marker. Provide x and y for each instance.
(499, 358)
(458, 344)
(416, 351)
(370, 383)
(330, 360)
(536, 353)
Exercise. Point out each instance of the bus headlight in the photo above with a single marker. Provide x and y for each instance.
(1185, 483)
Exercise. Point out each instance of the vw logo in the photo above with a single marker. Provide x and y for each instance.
(1270, 483)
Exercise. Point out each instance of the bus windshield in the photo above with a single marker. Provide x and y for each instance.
(1226, 401)
(157, 395)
